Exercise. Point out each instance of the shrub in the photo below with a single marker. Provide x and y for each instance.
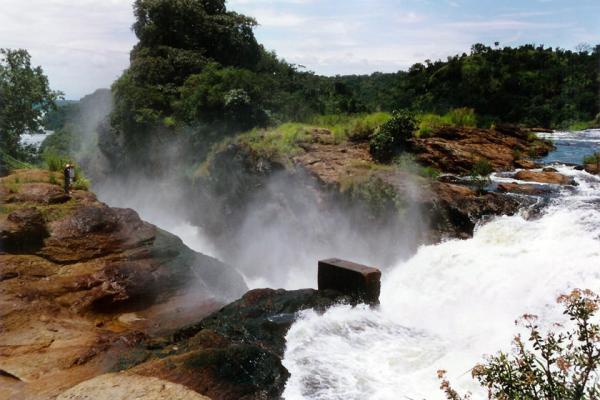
(480, 174)
(81, 183)
(392, 136)
(562, 365)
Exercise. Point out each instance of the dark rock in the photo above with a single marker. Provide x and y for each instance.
(22, 231)
(457, 209)
(359, 282)
(263, 316)
(236, 352)
(549, 169)
(533, 190)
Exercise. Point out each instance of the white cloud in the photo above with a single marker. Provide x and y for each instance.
(81, 45)
(85, 44)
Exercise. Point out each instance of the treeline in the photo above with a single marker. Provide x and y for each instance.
(198, 73)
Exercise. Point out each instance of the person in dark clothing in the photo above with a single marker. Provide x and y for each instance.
(67, 178)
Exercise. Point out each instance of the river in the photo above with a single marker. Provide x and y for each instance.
(454, 302)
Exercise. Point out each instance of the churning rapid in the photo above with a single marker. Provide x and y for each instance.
(452, 303)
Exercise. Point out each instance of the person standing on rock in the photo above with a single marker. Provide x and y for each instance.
(67, 178)
(71, 174)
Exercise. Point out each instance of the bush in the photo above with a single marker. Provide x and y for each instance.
(562, 365)
(480, 174)
(392, 136)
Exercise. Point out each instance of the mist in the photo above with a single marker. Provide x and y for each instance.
(274, 238)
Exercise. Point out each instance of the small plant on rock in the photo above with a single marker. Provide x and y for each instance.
(391, 137)
(562, 365)
(480, 174)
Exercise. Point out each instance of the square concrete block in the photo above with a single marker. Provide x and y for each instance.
(361, 283)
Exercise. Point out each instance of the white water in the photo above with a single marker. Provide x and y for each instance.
(449, 305)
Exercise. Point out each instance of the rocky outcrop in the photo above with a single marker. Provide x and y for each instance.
(81, 282)
(456, 209)
(456, 150)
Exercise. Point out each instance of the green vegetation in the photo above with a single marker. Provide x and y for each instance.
(562, 364)
(25, 96)
(480, 174)
(460, 118)
(391, 137)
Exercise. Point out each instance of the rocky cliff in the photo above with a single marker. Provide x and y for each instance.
(81, 282)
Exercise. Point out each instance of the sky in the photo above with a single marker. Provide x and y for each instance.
(83, 45)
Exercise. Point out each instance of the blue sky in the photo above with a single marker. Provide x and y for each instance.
(84, 44)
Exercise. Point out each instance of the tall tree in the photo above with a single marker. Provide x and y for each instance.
(24, 98)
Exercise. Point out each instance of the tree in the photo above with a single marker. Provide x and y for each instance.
(392, 137)
(24, 98)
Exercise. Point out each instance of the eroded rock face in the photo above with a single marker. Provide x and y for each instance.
(81, 282)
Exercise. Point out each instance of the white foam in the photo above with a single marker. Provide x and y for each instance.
(449, 305)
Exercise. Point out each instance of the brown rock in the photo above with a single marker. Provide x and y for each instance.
(22, 231)
(354, 280)
(456, 150)
(592, 168)
(523, 189)
(544, 177)
(40, 193)
(129, 386)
